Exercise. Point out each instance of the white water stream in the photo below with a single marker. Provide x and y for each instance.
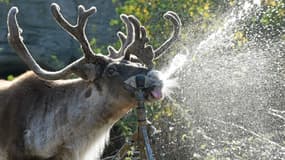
(233, 96)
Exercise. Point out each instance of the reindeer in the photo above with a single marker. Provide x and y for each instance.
(46, 117)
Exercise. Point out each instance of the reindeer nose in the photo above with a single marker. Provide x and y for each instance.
(154, 78)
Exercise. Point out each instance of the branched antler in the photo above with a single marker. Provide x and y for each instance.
(126, 40)
(139, 47)
(135, 42)
(77, 31)
(16, 41)
(174, 18)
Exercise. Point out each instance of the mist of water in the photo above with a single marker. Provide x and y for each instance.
(234, 96)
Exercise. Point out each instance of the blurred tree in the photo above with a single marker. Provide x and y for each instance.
(177, 137)
(150, 14)
(4, 1)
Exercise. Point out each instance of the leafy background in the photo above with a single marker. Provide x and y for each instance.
(176, 137)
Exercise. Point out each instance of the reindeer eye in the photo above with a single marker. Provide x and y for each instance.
(111, 71)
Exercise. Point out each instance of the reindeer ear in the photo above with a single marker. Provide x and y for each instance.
(87, 71)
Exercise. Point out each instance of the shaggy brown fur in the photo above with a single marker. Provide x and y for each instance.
(43, 119)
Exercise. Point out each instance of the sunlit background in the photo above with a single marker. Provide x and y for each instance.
(224, 78)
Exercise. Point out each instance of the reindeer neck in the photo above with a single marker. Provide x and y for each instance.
(99, 100)
(62, 111)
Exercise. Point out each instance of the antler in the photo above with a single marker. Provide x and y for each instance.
(139, 47)
(78, 31)
(136, 40)
(16, 41)
(174, 18)
(125, 40)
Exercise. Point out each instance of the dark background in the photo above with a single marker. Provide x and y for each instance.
(52, 47)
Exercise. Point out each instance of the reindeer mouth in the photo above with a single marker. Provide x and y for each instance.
(150, 84)
(154, 93)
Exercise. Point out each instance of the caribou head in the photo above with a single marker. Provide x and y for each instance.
(134, 57)
(102, 95)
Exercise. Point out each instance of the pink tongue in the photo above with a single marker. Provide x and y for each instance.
(156, 93)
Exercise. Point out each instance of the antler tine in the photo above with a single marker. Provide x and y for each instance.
(78, 30)
(174, 18)
(139, 48)
(16, 41)
(136, 41)
(125, 40)
(113, 53)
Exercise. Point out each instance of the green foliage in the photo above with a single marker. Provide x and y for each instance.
(177, 137)
(150, 14)
(10, 77)
(273, 13)
(95, 47)
(267, 22)
(128, 124)
(55, 62)
(5, 1)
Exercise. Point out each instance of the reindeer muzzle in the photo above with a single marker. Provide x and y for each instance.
(150, 84)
